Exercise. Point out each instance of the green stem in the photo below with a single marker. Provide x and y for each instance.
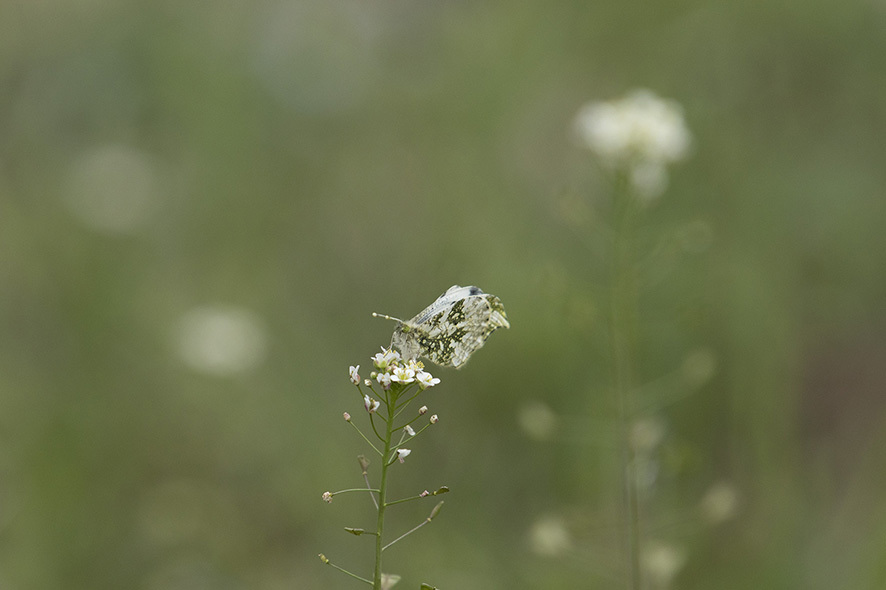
(360, 432)
(390, 402)
(622, 308)
(325, 560)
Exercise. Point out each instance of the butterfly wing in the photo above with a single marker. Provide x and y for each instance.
(443, 302)
(449, 330)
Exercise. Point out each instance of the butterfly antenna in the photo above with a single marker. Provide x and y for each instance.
(386, 317)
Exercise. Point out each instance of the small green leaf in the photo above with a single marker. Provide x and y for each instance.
(354, 531)
(442, 490)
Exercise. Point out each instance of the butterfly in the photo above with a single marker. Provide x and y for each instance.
(452, 328)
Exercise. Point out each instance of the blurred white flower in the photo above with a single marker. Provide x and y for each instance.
(402, 454)
(662, 562)
(112, 189)
(720, 503)
(647, 433)
(221, 340)
(537, 420)
(639, 126)
(640, 133)
(549, 536)
(355, 376)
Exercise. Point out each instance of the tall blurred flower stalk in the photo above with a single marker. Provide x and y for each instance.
(634, 139)
(394, 385)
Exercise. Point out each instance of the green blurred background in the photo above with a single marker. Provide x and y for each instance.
(202, 202)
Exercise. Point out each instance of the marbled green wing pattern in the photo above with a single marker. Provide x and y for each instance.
(452, 328)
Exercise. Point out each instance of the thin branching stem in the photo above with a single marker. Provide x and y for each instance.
(411, 421)
(374, 429)
(325, 560)
(412, 530)
(442, 490)
(406, 403)
(364, 463)
(374, 448)
(623, 299)
(354, 490)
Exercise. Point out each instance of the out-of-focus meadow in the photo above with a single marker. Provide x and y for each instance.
(201, 203)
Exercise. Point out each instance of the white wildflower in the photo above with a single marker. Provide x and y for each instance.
(385, 358)
(385, 380)
(426, 380)
(403, 375)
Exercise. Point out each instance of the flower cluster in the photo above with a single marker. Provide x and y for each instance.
(395, 377)
(640, 133)
(393, 369)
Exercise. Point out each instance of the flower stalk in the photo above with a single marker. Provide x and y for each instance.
(394, 385)
(634, 139)
(390, 403)
(623, 300)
